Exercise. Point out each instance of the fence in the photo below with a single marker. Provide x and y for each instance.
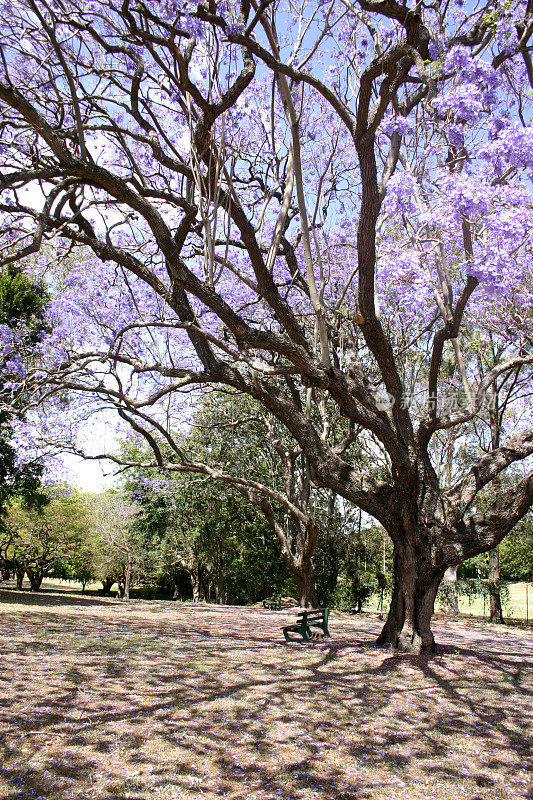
(473, 598)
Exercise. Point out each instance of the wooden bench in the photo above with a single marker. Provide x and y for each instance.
(273, 603)
(305, 622)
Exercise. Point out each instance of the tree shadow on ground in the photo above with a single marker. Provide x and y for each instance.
(193, 703)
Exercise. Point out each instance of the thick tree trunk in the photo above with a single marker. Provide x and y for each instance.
(20, 577)
(450, 604)
(195, 582)
(305, 580)
(106, 585)
(415, 585)
(36, 579)
(127, 582)
(496, 614)
(297, 546)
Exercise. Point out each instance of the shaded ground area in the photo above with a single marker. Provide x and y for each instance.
(104, 699)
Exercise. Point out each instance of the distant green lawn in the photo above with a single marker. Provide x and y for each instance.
(515, 606)
(74, 586)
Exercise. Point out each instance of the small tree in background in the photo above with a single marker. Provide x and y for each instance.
(120, 554)
(41, 541)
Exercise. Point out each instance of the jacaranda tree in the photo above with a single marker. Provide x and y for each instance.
(300, 201)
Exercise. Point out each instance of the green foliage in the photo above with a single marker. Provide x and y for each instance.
(516, 556)
(78, 562)
(516, 552)
(490, 18)
(348, 562)
(191, 525)
(202, 529)
(46, 540)
(243, 556)
(22, 306)
(16, 479)
(329, 559)
(120, 552)
(353, 590)
(472, 588)
(22, 301)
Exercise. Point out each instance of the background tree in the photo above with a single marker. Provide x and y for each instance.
(211, 532)
(39, 541)
(79, 563)
(515, 558)
(219, 540)
(120, 554)
(516, 552)
(508, 397)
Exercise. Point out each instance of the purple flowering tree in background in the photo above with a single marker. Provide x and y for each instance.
(314, 204)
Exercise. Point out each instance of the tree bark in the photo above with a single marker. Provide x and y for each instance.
(195, 582)
(20, 577)
(496, 614)
(127, 581)
(220, 591)
(106, 585)
(305, 580)
(415, 585)
(35, 578)
(495, 601)
(451, 602)
(297, 547)
(219, 579)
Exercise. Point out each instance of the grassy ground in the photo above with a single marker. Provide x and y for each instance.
(160, 701)
(517, 606)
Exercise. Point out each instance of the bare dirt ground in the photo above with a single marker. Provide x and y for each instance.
(153, 700)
